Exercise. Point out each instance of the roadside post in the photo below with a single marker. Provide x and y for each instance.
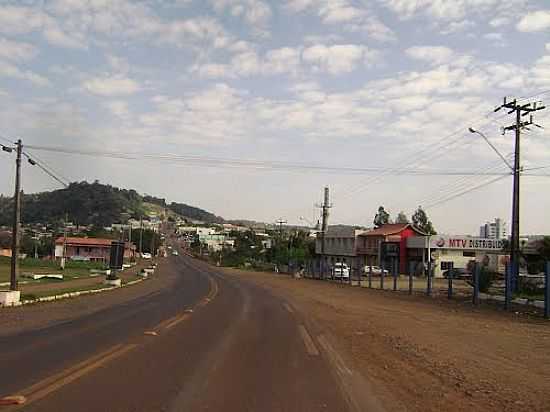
(477, 269)
(394, 270)
(429, 279)
(351, 274)
(359, 272)
(410, 282)
(547, 290)
(508, 286)
(370, 277)
(382, 276)
(450, 287)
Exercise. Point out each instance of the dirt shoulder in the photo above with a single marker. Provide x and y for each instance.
(39, 315)
(427, 354)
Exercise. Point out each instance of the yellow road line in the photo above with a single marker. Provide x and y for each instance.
(308, 342)
(53, 383)
(178, 319)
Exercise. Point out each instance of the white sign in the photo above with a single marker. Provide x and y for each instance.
(465, 243)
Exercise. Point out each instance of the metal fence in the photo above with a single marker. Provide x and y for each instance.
(474, 287)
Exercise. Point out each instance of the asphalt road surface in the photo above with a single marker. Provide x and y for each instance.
(213, 342)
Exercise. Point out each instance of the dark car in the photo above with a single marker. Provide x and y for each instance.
(457, 273)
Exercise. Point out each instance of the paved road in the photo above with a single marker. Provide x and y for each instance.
(211, 343)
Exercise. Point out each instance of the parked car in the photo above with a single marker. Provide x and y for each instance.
(146, 255)
(175, 253)
(340, 270)
(457, 273)
(376, 270)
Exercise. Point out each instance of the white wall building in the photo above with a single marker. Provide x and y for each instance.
(494, 230)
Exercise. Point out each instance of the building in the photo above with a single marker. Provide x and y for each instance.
(493, 230)
(87, 248)
(372, 243)
(340, 246)
(215, 242)
(457, 251)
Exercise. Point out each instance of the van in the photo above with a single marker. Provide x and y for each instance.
(340, 271)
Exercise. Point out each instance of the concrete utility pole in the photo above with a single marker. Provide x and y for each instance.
(281, 222)
(62, 264)
(520, 110)
(324, 223)
(16, 219)
(140, 235)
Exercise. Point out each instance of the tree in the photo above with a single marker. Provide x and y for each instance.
(421, 221)
(382, 217)
(401, 218)
(543, 248)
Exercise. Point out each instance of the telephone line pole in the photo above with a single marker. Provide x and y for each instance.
(520, 110)
(324, 225)
(16, 219)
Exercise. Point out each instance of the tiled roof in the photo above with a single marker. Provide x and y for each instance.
(85, 241)
(391, 229)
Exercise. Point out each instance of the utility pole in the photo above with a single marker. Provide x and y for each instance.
(520, 111)
(63, 257)
(16, 219)
(281, 222)
(140, 236)
(324, 224)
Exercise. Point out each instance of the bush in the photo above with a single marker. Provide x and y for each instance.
(486, 279)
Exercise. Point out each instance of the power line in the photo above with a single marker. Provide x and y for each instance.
(44, 169)
(454, 196)
(256, 164)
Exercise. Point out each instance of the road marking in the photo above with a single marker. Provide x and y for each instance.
(12, 400)
(178, 319)
(308, 342)
(288, 307)
(334, 356)
(150, 333)
(49, 385)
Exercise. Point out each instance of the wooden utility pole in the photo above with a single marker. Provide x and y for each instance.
(16, 219)
(520, 111)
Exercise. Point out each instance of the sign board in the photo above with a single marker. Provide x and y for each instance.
(466, 243)
(117, 255)
(447, 265)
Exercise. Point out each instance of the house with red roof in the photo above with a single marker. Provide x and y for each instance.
(88, 248)
(369, 246)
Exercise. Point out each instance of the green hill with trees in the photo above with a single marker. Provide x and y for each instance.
(91, 203)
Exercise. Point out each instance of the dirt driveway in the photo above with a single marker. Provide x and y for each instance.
(428, 354)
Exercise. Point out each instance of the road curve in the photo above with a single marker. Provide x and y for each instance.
(212, 343)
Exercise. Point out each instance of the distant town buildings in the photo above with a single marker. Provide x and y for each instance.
(493, 230)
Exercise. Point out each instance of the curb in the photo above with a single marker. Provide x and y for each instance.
(68, 295)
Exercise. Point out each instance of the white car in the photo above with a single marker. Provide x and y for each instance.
(340, 270)
(175, 253)
(376, 270)
(146, 255)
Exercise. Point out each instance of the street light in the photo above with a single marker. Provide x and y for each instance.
(472, 130)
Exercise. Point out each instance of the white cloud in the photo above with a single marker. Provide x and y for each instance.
(118, 108)
(283, 60)
(337, 59)
(535, 21)
(16, 51)
(10, 70)
(255, 12)
(432, 54)
(111, 86)
(348, 15)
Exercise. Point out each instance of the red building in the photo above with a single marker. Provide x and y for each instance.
(87, 248)
(369, 244)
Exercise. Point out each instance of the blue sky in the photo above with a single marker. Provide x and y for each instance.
(379, 83)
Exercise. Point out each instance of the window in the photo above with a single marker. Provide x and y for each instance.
(469, 254)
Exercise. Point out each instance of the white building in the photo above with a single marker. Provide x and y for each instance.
(494, 230)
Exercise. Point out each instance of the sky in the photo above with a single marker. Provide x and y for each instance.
(385, 85)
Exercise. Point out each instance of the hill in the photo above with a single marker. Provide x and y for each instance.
(91, 203)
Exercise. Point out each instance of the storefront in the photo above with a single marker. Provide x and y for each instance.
(457, 251)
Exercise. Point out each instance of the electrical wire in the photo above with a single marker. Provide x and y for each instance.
(45, 170)
(238, 163)
(454, 196)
